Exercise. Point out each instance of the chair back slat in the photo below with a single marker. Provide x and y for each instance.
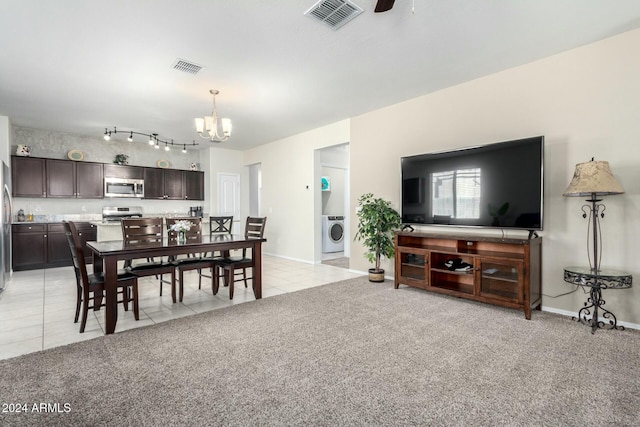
(141, 231)
(255, 227)
(194, 233)
(220, 224)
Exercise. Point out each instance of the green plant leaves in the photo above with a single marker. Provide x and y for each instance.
(377, 222)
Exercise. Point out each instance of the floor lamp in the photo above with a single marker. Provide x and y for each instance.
(593, 179)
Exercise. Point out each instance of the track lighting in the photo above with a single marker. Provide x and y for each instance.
(153, 139)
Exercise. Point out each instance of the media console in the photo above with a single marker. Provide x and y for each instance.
(504, 272)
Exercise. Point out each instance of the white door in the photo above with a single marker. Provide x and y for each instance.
(229, 195)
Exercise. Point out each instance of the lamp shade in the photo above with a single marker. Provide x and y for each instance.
(593, 177)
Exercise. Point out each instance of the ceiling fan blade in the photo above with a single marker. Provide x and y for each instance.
(384, 5)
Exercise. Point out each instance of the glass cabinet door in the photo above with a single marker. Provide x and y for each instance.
(501, 279)
(412, 265)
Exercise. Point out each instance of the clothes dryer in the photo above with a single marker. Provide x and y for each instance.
(332, 233)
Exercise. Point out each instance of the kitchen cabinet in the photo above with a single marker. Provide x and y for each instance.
(56, 178)
(193, 185)
(499, 271)
(28, 246)
(70, 179)
(165, 184)
(123, 171)
(28, 177)
(37, 245)
(58, 251)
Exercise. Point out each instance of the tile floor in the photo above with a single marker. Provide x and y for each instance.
(37, 307)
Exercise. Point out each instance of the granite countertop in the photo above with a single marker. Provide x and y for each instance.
(95, 219)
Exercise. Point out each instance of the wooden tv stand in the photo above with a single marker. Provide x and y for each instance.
(504, 272)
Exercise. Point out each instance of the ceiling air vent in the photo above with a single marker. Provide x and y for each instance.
(186, 66)
(334, 13)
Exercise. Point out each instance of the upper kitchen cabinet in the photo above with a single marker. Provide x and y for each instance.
(194, 185)
(28, 177)
(69, 179)
(173, 184)
(123, 171)
(164, 184)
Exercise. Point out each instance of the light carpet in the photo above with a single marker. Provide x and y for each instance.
(347, 353)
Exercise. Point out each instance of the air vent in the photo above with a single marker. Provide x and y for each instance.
(334, 13)
(186, 66)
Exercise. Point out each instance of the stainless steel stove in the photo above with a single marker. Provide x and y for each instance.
(115, 214)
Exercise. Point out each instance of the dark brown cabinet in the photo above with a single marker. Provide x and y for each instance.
(28, 177)
(28, 246)
(504, 272)
(123, 171)
(193, 185)
(55, 178)
(45, 245)
(68, 179)
(165, 184)
(58, 251)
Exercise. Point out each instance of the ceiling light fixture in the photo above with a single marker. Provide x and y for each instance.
(210, 123)
(153, 139)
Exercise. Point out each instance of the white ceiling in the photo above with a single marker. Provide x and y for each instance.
(80, 66)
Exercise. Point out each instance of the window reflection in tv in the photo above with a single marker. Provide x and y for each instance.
(496, 185)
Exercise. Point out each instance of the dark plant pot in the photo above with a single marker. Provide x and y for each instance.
(376, 276)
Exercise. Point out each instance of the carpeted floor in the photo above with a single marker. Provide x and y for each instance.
(347, 353)
(342, 262)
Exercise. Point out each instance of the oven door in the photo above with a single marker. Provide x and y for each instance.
(120, 187)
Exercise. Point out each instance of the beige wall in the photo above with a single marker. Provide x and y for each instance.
(584, 101)
(291, 198)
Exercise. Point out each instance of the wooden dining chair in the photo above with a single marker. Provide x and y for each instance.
(220, 225)
(90, 287)
(235, 268)
(144, 232)
(194, 261)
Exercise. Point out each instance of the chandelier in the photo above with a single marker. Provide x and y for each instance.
(210, 124)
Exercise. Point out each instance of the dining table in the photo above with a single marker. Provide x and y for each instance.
(106, 255)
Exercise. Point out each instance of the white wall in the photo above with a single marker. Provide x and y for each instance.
(290, 190)
(333, 202)
(585, 103)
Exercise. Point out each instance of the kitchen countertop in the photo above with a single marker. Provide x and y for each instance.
(95, 219)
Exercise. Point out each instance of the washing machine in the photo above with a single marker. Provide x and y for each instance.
(332, 233)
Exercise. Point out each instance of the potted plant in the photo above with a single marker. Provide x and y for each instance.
(121, 159)
(377, 221)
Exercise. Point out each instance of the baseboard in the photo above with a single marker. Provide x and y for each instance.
(290, 258)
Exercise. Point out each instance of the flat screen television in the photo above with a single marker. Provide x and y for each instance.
(495, 185)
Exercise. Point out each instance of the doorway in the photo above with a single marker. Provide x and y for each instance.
(332, 210)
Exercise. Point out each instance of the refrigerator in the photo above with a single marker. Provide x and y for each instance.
(5, 226)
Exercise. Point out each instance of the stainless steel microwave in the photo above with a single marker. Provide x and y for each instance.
(123, 187)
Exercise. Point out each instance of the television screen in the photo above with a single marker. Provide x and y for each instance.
(496, 185)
